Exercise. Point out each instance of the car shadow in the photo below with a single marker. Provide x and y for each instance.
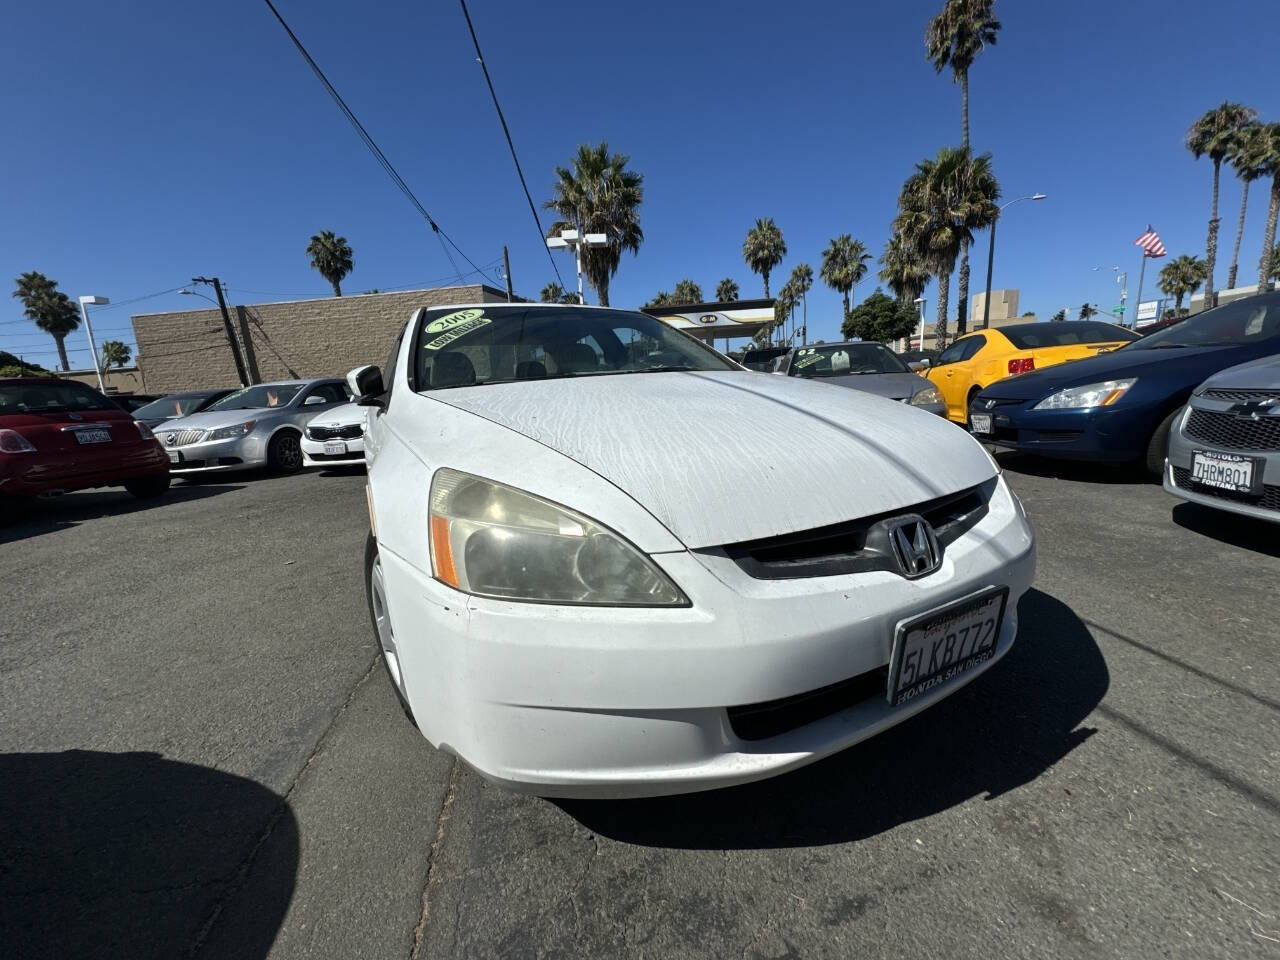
(131, 855)
(355, 470)
(1080, 471)
(1230, 528)
(998, 733)
(33, 517)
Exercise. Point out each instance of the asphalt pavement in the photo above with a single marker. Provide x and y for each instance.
(201, 756)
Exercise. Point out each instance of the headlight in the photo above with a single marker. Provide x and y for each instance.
(1087, 397)
(926, 395)
(230, 433)
(495, 541)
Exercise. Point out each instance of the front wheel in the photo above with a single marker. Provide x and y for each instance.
(148, 488)
(284, 452)
(1158, 448)
(375, 586)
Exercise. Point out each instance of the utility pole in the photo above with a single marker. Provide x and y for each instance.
(226, 324)
(506, 266)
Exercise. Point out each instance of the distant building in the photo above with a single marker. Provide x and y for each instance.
(1004, 306)
(1226, 296)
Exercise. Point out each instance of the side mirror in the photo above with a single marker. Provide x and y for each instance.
(314, 400)
(366, 385)
(915, 366)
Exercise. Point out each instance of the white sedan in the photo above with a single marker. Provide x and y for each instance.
(335, 437)
(607, 561)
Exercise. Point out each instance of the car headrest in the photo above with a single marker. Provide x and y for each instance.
(530, 370)
(575, 358)
(452, 369)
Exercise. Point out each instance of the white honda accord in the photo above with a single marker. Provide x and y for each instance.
(607, 561)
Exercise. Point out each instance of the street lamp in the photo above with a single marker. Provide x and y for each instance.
(921, 301)
(1122, 278)
(571, 238)
(991, 255)
(88, 329)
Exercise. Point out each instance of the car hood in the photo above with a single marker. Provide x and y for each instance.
(895, 386)
(1177, 367)
(1262, 374)
(730, 456)
(344, 416)
(212, 419)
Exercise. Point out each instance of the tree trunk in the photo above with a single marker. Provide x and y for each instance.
(1235, 252)
(602, 291)
(1265, 265)
(1178, 304)
(1211, 247)
(962, 294)
(940, 328)
(60, 339)
(846, 304)
(337, 290)
(964, 110)
(765, 273)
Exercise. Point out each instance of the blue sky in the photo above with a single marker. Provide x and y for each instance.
(155, 141)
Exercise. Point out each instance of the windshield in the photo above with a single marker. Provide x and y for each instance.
(1249, 320)
(846, 359)
(178, 405)
(1030, 336)
(502, 343)
(762, 359)
(263, 395)
(51, 398)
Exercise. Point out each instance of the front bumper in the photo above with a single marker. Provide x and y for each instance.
(1117, 434)
(607, 702)
(313, 454)
(1177, 477)
(212, 456)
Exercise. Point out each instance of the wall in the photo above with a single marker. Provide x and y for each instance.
(116, 379)
(188, 350)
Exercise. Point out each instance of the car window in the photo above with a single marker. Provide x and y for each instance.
(972, 346)
(954, 353)
(50, 398)
(177, 405)
(332, 392)
(1248, 320)
(845, 359)
(262, 396)
(1029, 336)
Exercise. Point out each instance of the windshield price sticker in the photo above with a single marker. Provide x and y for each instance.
(808, 359)
(454, 325)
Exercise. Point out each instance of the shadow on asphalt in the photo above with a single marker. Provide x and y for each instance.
(1000, 732)
(33, 517)
(1077, 471)
(131, 855)
(1230, 528)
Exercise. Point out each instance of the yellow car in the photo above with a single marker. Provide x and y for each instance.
(979, 359)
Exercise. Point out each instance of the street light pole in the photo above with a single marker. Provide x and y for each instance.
(921, 301)
(991, 256)
(88, 329)
(577, 240)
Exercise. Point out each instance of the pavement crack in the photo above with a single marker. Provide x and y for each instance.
(239, 876)
(446, 809)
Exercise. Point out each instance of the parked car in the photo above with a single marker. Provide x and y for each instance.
(862, 365)
(57, 436)
(761, 358)
(1120, 406)
(917, 360)
(335, 437)
(177, 405)
(576, 590)
(1224, 451)
(979, 359)
(258, 426)
(130, 402)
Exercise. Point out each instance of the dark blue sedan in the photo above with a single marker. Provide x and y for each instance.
(1119, 406)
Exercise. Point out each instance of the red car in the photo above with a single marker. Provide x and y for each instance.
(60, 435)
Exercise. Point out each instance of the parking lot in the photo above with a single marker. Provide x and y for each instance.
(201, 756)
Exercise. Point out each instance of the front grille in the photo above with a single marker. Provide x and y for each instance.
(845, 548)
(1270, 499)
(1240, 396)
(760, 721)
(1236, 433)
(186, 465)
(351, 431)
(180, 438)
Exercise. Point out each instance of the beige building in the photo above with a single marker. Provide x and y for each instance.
(1004, 312)
(188, 350)
(115, 379)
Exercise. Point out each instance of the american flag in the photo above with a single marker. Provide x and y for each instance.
(1150, 244)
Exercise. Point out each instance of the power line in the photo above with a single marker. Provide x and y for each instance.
(542, 237)
(375, 149)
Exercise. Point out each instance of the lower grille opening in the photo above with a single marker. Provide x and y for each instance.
(760, 721)
(350, 455)
(1270, 499)
(187, 465)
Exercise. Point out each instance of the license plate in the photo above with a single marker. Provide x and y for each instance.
(937, 647)
(175, 456)
(980, 422)
(334, 448)
(1224, 471)
(93, 436)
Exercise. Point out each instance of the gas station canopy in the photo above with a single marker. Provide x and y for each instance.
(709, 321)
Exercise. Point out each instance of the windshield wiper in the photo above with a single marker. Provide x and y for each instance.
(1169, 346)
(661, 368)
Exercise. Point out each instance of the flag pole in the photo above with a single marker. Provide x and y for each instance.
(1137, 304)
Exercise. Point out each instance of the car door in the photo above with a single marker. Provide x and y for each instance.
(953, 375)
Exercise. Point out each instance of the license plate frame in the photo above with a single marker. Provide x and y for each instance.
(175, 456)
(1223, 459)
(981, 651)
(335, 448)
(981, 423)
(93, 435)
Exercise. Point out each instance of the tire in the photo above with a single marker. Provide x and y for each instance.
(968, 403)
(375, 595)
(1158, 447)
(148, 488)
(284, 452)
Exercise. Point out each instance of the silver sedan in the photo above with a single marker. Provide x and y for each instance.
(862, 365)
(258, 426)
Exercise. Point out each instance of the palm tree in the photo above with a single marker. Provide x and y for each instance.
(116, 352)
(764, 248)
(954, 38)
(598, 194)
(783, 307)
(686, 291)
(902, 270)
(801, 283)
(1181, 277)
(844, 263)
(660, 299)
(727, 290)
(940, 206)
(1247, 159)
(330, 257)
(49, 308)
(1216, 134)
(1087, 310)
(1269, 148)
(551, 293)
